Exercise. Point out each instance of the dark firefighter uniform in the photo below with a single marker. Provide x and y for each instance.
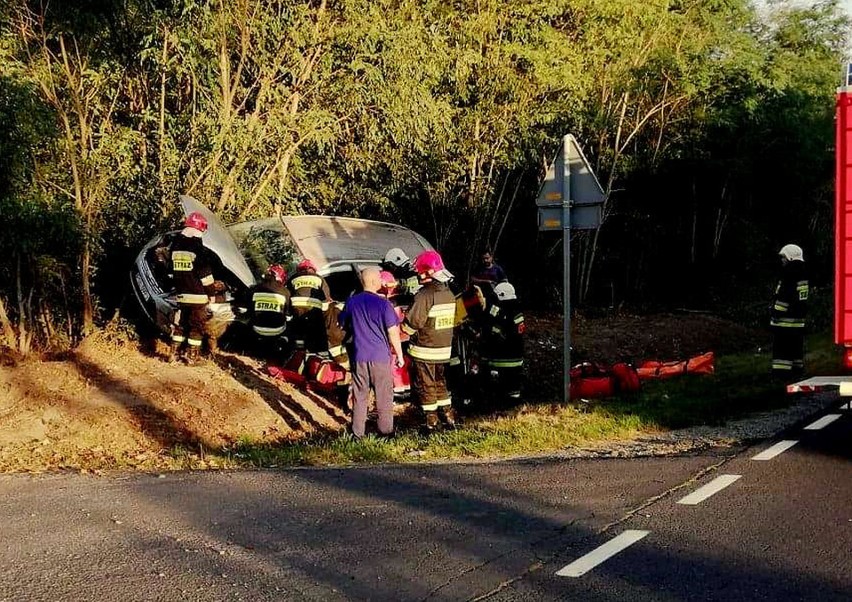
(270, 304)
(309, 300)
(429, 322)
(504, 345)
(407, 282)
(336, 335)
(194, 285)
(788, 319)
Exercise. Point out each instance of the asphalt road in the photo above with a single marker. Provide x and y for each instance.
(781, 531)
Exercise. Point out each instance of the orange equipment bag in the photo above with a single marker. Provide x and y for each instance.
(701, 364)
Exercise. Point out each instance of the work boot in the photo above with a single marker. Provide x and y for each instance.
(192, 355)
(174, 352)
(448, 417)
(431, 424)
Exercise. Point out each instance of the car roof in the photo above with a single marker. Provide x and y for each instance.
(326, 239)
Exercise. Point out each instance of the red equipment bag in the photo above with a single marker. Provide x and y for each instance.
(401, 376)
(591, 381)
(330, 373)
(296, 362)
(313, 364)
(627, 378)
(288, 376)
(291, 372)
(330, 376)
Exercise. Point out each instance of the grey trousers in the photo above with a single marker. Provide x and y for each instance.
(379, 377)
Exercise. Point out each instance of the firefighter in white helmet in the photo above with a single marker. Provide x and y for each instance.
(397, 262)
(504, 341)
(789, 311)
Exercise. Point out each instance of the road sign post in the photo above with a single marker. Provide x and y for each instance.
(570, 198)
(566, 283)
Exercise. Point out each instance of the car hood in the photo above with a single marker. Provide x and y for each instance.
(218, 240)
(327, 239)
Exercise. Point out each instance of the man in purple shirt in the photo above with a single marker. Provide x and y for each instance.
(489, 272)
(374, 326)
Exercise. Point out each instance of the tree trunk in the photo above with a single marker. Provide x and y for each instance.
(6, 324)
(88, 305)
(23, 329)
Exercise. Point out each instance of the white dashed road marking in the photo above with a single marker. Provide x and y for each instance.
(822, 422)
(583, 565)
(777, 449)
(711, 488)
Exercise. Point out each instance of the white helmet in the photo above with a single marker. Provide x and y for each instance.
(397, 257)
(792, 253)
(505, 292)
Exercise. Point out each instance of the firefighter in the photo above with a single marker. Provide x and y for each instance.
(504, 342)
(389, 286)
(429, 322)
(401, 374)
(399, 265)
(788, 313)
(336, 335)
(270, 304)
(309, 300)
(194, 286)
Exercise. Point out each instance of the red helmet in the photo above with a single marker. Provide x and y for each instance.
(197, 221)
(428, 262)
(306, 265)
(277, 272)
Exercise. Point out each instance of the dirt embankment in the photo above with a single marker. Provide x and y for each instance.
(107, 405)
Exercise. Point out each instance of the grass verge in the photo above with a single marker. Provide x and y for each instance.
(740, 386)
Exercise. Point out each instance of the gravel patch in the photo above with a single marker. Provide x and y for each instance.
(732, 435)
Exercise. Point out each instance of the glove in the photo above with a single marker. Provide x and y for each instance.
(219, 286)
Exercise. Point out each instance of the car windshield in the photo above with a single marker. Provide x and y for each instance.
(263, 243)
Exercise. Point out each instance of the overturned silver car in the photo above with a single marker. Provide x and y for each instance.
(339, 246)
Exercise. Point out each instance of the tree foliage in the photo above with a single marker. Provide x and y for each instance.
(709, 123)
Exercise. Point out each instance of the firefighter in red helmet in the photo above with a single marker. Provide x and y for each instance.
(429, 322)
(270, 304)
(192, 275)
(309, 299)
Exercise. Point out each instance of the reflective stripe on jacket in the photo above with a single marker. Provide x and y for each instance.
(789, 308)
(308, 292)
(191, 271)
(270, 303)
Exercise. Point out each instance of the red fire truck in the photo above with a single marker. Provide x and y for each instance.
(842, 246)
